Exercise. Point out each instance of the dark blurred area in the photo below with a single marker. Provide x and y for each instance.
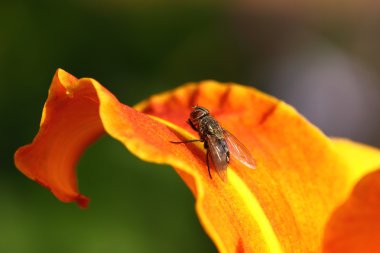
(322, 57)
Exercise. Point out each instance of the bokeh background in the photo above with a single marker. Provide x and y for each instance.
(323, 57)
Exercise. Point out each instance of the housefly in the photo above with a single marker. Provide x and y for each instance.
(220, 144)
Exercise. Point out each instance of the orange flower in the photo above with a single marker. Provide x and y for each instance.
(301, 181)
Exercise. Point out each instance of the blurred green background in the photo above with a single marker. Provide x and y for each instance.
(318, 56)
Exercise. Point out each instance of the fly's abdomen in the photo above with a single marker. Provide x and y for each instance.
(220, 154)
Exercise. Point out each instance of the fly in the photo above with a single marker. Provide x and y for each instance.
(220, 144)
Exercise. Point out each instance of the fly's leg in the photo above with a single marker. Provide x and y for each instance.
(205, 146)
(208, 164)
(207, 160)
(186, 141)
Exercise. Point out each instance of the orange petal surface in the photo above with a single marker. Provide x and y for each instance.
(282, 206)
(354, 226)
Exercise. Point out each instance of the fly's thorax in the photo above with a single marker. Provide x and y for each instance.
(209, 126)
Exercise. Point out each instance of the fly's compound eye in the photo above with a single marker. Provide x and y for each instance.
(198, 112)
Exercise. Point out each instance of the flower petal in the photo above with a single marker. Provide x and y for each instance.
(362, 159)
(70, 122)
(303, 175)
(354, 226)
(280, 207)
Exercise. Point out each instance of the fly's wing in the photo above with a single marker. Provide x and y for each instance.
(218, 152)
(238, 151)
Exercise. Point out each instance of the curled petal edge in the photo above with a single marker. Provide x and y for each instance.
(77, 112)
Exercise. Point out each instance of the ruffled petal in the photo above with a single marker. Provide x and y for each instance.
(282, 206)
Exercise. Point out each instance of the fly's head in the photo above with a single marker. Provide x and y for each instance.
(197, 114)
